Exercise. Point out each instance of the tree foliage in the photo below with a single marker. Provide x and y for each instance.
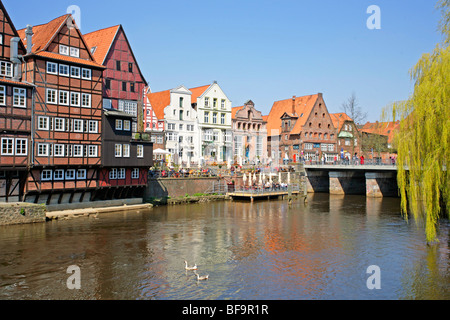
(423, 138)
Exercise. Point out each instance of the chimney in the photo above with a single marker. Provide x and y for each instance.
(29, 35)
(293, 104)
(14, 57)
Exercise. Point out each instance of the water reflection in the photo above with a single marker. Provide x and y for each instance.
(264, 250)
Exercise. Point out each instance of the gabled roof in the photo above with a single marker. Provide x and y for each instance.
(339, 119)
(302, 107)
(44, 35)
(198, 92)
(235, 110)
(103, 40)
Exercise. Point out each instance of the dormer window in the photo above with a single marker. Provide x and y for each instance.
(74, 52)
(93, 49)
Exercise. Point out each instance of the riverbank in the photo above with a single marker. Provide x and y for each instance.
(186, 200)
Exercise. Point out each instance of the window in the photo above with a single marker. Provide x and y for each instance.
(222, 118)
(93, 49)
(74, 52)
(43, 150)
(51, 96)
(347, 142)
(331, 147)
(238, 145)
(93, 151)
(86, 74)
(77, 125)
(215, 103)
(140, 151)
(131, 87)
(85, 100)
(324, 147)
(121, 174)
(107, 103)
(118, 151)
(52, 68)
(118, 67)
(206, 117)
(223, 104)
(5, 69)
(119, 124)
(70, 174)
(126, 150)
(46, 175)
(171, 126)
(78, 151)
(208, 135)
(108, 84)
(130, 67)
(181, 102)
(135, 173)
(113, 174)
(64, 98)
(129, 107)
(43, 123)
(75, 99)
(7, 146)
(81, 174)
(19, 98)
(207, 102)
(127, 125)
(259, 146)
(2, 95)
(93, 126)
(181, 115)
(63, 70)
(308, 146)
(215, 118)
(21, 147)
(58, 175)
(58, 150)
(124, 86)
(75, 72)
(181, 127)
(63, 50)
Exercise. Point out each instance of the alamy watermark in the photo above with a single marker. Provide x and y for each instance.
(74, 281)
(374, 281)
(374, 21)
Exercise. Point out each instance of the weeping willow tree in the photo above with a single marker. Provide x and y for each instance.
(424, 134)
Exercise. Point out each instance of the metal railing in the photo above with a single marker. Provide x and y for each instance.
(261, 190)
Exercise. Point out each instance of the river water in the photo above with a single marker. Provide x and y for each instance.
(262, 251)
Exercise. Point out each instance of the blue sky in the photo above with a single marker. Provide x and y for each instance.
(265, 50)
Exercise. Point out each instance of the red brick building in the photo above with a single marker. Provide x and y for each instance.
(301, 128)
(15, 113)
(349, 139)
(65, 149)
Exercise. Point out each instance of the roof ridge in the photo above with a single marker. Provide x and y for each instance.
(103, 29)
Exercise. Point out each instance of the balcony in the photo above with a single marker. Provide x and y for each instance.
(145, 137)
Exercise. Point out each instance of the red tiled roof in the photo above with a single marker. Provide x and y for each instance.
(102, 40)
(15, 82)
(61, 57)
(44, 33)
(198, 92)
(383, 128)
(303, 107)
(339, 119)
(235, 110)
(159, 101)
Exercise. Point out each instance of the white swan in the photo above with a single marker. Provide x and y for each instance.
(201, 278)
(190, 268)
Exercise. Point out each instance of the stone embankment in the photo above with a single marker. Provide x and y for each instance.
(21, 213)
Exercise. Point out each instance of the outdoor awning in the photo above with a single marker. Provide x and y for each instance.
(160, 151)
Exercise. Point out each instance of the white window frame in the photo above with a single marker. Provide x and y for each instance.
(93, 151)
(43, 123)
(118, 151)
(2, 95)
(86, 74)
(93, 126)
(65, 68)
(77, 73)
(75, 102)
(135, 173)
(6, 69)
(78, 151)
(126, 150)
(85, 100)
(113, 174)
(19, 97)
(59, 150)
(52, 68)
(59, 124)
(78, 125)
(121, 174)
(21, 147)
(140, 151)
(74, 52)
(81, 174)
(64, 50)
(43, 149)
(51, 96)
(10, 147)
(63, 97)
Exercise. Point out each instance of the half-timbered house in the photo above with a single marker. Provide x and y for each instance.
(65, 154)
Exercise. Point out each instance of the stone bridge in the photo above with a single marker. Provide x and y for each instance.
(372, 180)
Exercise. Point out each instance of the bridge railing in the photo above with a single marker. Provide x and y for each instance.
(380, 163)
